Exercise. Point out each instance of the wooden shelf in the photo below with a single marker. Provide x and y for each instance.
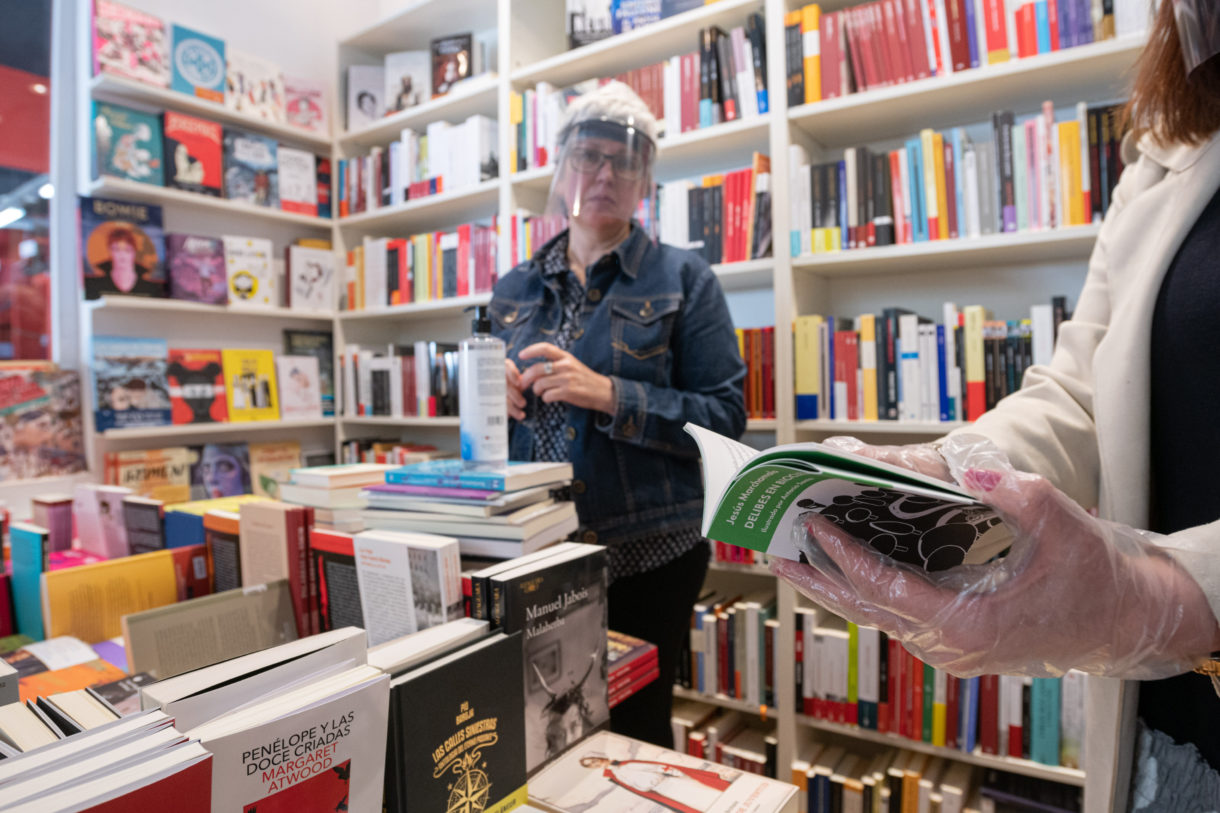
(161, 195)
(1054, 773)
(1071, 243)
(475, 95)
(1085, 73)
(723, 702)
(112, 302)
(417, 216)
(436, 307)
(858, 428)
(643, 46)
(198, 430)
(447, 422)
(128, 91)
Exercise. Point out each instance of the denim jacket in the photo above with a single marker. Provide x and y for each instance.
(655, 321)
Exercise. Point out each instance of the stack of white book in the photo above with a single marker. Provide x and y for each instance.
(333, 492)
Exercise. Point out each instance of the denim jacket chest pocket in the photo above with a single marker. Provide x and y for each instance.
(641, 332)
(519, 324)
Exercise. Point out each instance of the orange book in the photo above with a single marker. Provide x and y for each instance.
(927, 143)
(811, 51)
(1069, 173)
(942, 201)
(70, 678)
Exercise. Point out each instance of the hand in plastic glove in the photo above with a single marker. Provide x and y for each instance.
(919, 457)
(1073, 592)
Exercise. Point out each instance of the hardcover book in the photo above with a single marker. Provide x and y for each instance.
(248, 271)
(199, 64)
(161, 473)
(251, 169)
(193, 153)
(130, 387)
(451, 62)
(365, 103)
(197, 269)
(127, 144)
(29, 548)
(305, 103)
(408, 79)
(250, 385)
(271, 464)
(130, 43)
(122, 248)
(320, 345)
(254, 86)
(300, 388)
(44, 432)
(311, 279)
(196, 386)
(465, 748)
(298, 181)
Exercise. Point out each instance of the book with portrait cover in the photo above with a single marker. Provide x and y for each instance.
(122, 248)
(408, 79)
(559, 605)
(250, 385)
(41, 428)
(193, 153)
(320, 345)
(199, 64)
(299, 386)
(298, 181)
(305, 103)
(127, 144)
(311, 279)
(464, 749)
(163, 474)
(251, 169)
(220, 470)
(365, 103)
(254, 86)
(130, 43)
(197, 268)
(129, 382)
(451, 61)
(196, 386)
(272, 464)
(249, 273)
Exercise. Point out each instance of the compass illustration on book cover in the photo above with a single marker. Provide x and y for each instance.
(470, 792)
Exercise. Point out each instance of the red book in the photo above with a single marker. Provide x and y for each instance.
(915, 38)
(847, 362)
(192, 571)
(902, 223)
(1027, 31)
(722, 645)
(997, 32)
(989, 714)
(1052, 20)
(828, 40)
(863, 25)
(463, 260)
(200, 142)
(642, 681)
(6, 605)
(900, 53)
(887, 50)
(196, 386)
(950, 188)
(940, 60)
(959, 43)
(190, 788)
(768, 388)
(903, 709)
(952, 709)
(851, 35)
(688, 92)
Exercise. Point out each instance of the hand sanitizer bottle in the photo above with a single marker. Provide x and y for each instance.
(482, 399)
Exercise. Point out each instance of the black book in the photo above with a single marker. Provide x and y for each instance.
(817, 202)
(883, 206)
(758, 46)
(393, 251)
(449, 270)
(713, 75)
(795, 63)
(730, 94)
(705, 70)
(694, 221)
(1059, 313)
(887, 388)
(1002, 122)
(716, 193)
(456, 736)
(558, 604)
(145, 521)
(865, 207)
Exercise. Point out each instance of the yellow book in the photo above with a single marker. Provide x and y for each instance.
(927, 143)
(868, 364)
(976, 377)
(358, 253)
(419, 267)
(89, 601)
(1069, 172)
(201, 507)
(250, 385)
(515, 116)
(807, 359)
(314, 242)
(741, 342)
(939, 706)
(811, 17)
(162, 474)
(942, 201)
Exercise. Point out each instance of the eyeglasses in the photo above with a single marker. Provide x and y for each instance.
(626, 165)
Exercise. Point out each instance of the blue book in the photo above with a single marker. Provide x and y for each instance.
(919, 217)
(1044, 720)
(967, 739)
(959, 179)
(127, 144)
(1042, 23)
(705, 113)
(198, 63)
(514, 476)
(972, 35)
(29, 546)
(183, 529)
(130, 385)
(843, 241)
(942, 377)
(251, 165)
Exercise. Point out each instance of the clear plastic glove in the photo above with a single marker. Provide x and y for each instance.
(1074, 592)
(924, 458)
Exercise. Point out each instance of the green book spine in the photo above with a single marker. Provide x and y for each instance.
(929, 691)
(1044, 718)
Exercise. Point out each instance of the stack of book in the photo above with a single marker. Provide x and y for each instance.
(633, 665)
(493, 512)
(333, 492)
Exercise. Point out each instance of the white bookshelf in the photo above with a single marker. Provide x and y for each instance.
(238, 211)
(443, 422)
(726, 702)
(138, 305)
(933, 429)
(436, 307)
(478, 94)
(199, 431)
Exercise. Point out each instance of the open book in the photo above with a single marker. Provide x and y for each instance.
(755, 499)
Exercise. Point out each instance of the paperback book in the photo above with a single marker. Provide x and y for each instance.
(408, 79)
(251, 169)
(300, 388)
(199, 64)
(197, 268)
(254, 86)
(220, 470)
(130, 43)
(248, 271)
(365, 102)
(161, 473)
(758, 500)
(320, 345)
(193, 153)
(271, 464)
(250, 385)
(127, 144)
(452, 61)
(122, 248)
(130, 386)
(311, 279)
(298, 181)
(305, 103)
(196, 386)
(334, 562)
(40, 412)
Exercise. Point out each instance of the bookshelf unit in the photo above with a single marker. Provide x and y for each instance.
(1007, 272)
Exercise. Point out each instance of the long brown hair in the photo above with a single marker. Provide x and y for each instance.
(1174, 109)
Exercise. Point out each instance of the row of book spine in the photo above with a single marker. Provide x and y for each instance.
(447, 157)
(859, 676)
(723, 218)
(888, 42)
(724, 736)
(731, 651)
(757, 347)
(1031, 175)
(899, 365)
(419, 380)
(383, 272)
(724, 80)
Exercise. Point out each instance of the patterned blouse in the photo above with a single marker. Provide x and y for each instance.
(636, 555)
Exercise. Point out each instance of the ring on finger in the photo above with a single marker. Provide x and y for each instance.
(548, 367)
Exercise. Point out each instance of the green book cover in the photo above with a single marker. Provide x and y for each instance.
(929, 692)
(853, 672)
(1044, 719)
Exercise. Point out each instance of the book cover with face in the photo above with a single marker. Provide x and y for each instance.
(197, 269)
(122, 248)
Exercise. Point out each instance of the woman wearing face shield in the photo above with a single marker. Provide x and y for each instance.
(1123, 421)
(614, 343)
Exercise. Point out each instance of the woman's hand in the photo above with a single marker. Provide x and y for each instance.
(1073, 592)
(560, 376)
(918, 457)
(514, 391)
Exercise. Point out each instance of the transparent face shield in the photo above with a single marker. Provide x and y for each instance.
(1198, 23)
(604, 169)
